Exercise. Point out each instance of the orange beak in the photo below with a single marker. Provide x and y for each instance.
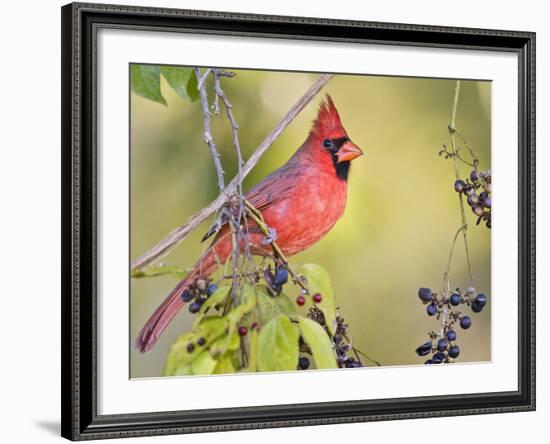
(348, 151)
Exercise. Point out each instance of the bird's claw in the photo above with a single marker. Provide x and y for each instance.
(271, 237)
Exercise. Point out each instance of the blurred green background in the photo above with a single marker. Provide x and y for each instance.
(401, 216)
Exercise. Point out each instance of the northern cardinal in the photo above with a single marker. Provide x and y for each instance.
(301, 201)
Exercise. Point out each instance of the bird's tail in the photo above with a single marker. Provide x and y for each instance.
(162, 316)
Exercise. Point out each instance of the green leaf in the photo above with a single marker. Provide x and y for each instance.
(203, 364)
(179, 357)
(145, 82)
(270, 306)
(318, 281)
(267, 305)
(184, 370)
(229, 342)
(159, 270)
(193, 89)
(253, 352)
(319, 342)
(224, 365)
(182, 80)
(217, 298)
(176, 354)
(287, 305)
(211, 327)
(278, 345)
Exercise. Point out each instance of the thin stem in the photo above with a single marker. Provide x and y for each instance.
(446, 276)
(162, 247)
(201, 85)
(469, 147)
(464, 228)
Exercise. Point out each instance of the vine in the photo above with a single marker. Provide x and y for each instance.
(445, 306)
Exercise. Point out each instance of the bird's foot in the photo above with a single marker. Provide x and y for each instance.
(271, 237)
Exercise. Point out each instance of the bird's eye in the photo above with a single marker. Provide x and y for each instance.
(327, 143)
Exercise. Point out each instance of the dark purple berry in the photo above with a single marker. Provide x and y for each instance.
(254, 326)
(190, 347)
(186, 296)
(451, 335)
(425, 294)
(317, 298)
(201, 341)
(474, 175)
(300, 300)
(473, 199)
(211, 289)
(481, 299)
(478, 210)
(429, 361)
(281, 277)
(431, 309)
(442, 345)
(352, 363)
(469, 190)
(303, 363)
(424, 349)
(465, 322)
(459, 186)
(194, 307)
(476, 307)
(243, 330)
(487, 202)
(483, 195)
(454, 351)
(455, 299)
(438, 358)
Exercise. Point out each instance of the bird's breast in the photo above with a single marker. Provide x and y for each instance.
(309, 213)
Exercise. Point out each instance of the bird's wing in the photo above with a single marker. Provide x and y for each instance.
(278, 186)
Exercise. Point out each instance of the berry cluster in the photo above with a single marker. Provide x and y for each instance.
(191, 346)
(342, 347)
(477, 190)
(442, 345)
(276, 280)
(301, 299)
(198, 293)
(340, 341)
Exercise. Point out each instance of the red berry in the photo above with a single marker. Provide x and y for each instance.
(243, 330)
(300, 300)
(254, 326)
(317, 298)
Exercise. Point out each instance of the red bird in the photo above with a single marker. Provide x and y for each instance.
(301, 202)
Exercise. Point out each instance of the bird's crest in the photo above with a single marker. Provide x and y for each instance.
(328, 119)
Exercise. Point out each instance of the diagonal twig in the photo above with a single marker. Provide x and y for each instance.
(181, 232)
(201, 85)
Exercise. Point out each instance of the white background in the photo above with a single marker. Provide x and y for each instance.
(118, 394)
(30, 235)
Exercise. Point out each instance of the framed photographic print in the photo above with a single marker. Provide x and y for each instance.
(279, 221)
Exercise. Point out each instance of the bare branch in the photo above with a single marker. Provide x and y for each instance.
(235, 223)
(207, 129)
(181, 232)
(464, 227)
(202, 78)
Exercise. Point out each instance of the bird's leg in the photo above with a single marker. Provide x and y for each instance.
(271, 237)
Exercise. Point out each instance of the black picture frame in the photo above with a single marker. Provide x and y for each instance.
(79, 171)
